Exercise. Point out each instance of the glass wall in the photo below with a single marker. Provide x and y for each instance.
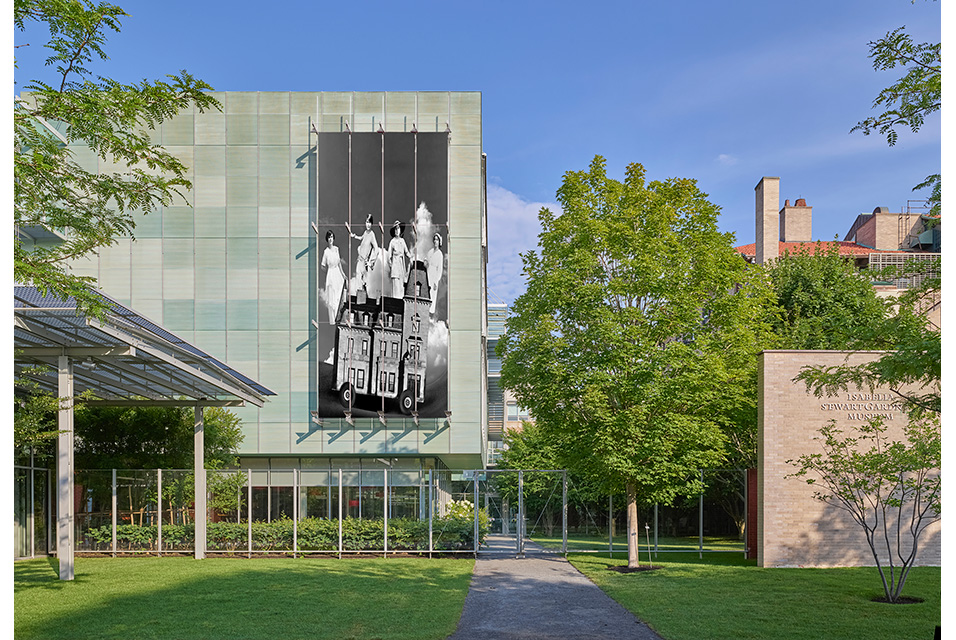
(31, 506)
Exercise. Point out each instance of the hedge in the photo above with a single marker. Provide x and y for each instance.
(451, 533)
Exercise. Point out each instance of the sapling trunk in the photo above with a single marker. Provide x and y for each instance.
(633, 550)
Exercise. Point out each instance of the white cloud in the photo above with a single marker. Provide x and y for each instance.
(513, 229)
(726, 160)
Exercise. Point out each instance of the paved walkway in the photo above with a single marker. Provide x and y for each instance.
(539, 597)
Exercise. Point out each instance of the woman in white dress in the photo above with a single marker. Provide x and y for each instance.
(367, 253)
(334, 277)
(397, 254)
(436, 263)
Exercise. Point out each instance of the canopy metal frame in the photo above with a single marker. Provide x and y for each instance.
(119, 358)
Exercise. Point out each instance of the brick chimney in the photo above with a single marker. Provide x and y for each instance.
(768, 219)
(796, 221)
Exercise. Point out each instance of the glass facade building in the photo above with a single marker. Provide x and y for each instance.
(240, 268)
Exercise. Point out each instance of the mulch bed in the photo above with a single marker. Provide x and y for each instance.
(623, 568)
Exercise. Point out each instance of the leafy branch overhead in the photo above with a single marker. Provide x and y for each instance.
(910, 99)
(84, 158)
(914, 96)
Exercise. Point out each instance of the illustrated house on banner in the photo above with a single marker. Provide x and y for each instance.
(385, 341)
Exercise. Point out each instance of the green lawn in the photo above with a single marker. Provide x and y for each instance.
(724, 597)
(223, 598)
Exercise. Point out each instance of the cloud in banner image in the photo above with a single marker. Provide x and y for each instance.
(437, 346)
(513, 229)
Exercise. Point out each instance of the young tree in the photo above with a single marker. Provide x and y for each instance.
(638, 323)
(52, 188)
(891, 489)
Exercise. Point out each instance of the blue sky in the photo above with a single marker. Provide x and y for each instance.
(724, 92)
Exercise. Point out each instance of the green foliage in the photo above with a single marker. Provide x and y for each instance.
(638, 328)
(152, 437)
(891, 489)
(910, 99)
(912, 366)
(72, 107)
(34, 414)
(825, 302)
(914, 96)
(452, 532)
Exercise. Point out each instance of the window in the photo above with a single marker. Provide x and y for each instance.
(416, 323)
(351, 345)
(391, 383)
(361, 379)
(512, 411)
(364, 347)
(395, 349)
(384, 349)
(352, 376)
(382, 384)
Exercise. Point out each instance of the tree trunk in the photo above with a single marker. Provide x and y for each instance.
(633, 552)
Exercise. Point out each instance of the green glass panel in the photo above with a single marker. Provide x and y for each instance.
(211, 285)
(210, 222)
(178, 130)
(274, 162)
(274, 253)
(210, 160)
(241, 129)
(274, 101)
(274, 129)
(242, 191)
(178, 222)
(178, 315)
(241, 161)
(242, 102)
(210, 129)
(210, 315)
(242, 315)
(242, 253)
(242, 222)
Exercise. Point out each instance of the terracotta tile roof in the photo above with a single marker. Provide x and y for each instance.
(845, 248)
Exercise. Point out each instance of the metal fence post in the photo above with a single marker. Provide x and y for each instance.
(655, 528)
(520, 523)
(564, 512)
(249, 506)
(476, 511)
(295, 511)
(159, 512)
(610, 526)
(113, 513)
(340, 513)
(385, 502)
(431, 509)
(700, 523)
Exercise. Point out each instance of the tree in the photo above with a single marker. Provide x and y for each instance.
(153, 437)
(638, 323)
(52, 188)
(910, 99)
(824, 302)
(531, 448)
(891, 489)
(912, 365)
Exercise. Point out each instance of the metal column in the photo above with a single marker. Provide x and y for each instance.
(199, 475)
(64, 468)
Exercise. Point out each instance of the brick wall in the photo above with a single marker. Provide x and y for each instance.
(793, 528)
